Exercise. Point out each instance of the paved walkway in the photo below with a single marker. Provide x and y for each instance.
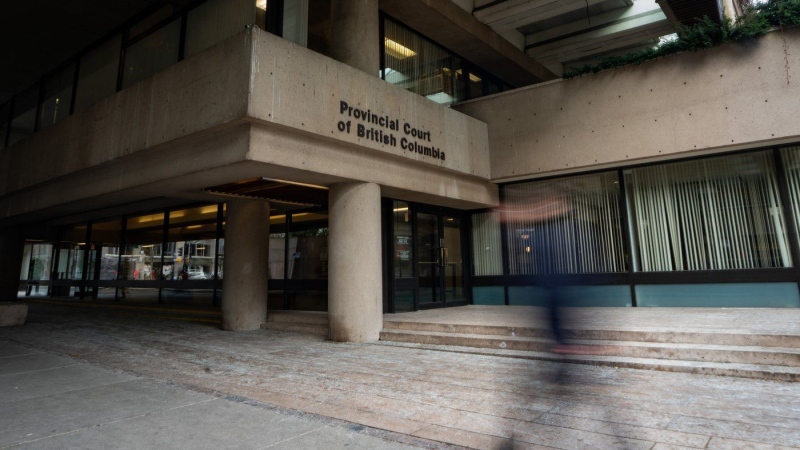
(419, 397)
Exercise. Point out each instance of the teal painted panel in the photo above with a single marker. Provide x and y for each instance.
(603, 295)
(733, 295)
(488, 295)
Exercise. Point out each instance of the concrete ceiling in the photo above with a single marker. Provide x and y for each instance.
(569, 33)
(37, 36)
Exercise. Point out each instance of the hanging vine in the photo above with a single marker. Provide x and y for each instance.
(756, 21)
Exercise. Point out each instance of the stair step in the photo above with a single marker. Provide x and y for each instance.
(300, 317)
(647, 350)
(755, 371)
(307, 328)
(644, 335)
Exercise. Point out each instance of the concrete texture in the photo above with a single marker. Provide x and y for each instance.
(244, 304)
(355, 287)
(438, 398)
(254, 105)
(726, 98)
(110, 409)
(13, 314)
(354, 23)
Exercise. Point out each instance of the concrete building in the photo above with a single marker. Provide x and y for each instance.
(347, 156)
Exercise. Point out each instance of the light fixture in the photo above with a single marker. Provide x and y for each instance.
(400, 209)
(396, 50)
(261, 4)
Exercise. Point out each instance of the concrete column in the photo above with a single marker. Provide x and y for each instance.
(355, 38)
(355, 287)
(244, 292)
(12, 246)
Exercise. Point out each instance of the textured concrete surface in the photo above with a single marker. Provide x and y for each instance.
(355, 281)
(727, 98)
(13, 314)
(440, 398)
(56, 402)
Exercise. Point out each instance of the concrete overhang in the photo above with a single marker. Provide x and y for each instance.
(688, 12)
(252, 106)
(455, 29)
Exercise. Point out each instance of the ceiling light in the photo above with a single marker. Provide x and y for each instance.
(397, 50)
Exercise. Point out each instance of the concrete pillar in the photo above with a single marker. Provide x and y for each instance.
(355, 35)
(12, 246)
(355, 287)
(244, 292)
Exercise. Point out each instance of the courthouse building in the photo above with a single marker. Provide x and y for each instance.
(348, 156)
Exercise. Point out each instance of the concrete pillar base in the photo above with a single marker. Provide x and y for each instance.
(13, 314)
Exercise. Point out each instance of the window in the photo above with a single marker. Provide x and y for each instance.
(579, 214)
(97, 76)
(710, 214)
(215, 21)
(152, 54)
(57, 97)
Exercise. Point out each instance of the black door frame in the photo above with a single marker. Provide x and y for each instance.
(392, 284)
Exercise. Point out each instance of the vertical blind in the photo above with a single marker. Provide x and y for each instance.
(417, 65)
(712, 214)
(487, 248)
(588, 239)
(791, 163)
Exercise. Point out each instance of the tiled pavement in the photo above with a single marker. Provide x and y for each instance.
(419, 397)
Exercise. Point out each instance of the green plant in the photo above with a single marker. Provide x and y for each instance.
(756, 21)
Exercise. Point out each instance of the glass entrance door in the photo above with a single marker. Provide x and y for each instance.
(440, 259)
(426, 262)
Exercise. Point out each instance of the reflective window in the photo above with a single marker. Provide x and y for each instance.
(420, 66)
(308, 246)
(215, 21)
(97, 76)
(57, 96)
(141, 259)
(152, 54)
(23, 117)
(403, 248)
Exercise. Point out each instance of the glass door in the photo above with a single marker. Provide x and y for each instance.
(440, 259)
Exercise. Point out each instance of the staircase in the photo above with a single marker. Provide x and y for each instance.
(761, 356)
(308, 322)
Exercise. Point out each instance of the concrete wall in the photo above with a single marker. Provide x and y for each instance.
(727, 98)
(254, 105)
(297, 88)
(193, 95)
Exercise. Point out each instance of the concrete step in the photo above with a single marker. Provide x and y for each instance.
(649, 350)
(306, 328)
(629, 335)
(755, 371)
(301, 317)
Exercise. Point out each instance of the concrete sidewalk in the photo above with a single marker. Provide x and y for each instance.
(425, 398)
(57, 402)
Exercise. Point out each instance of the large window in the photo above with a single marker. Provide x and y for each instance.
(417, 64)
(579, 214)
(215, 21)
(57, 96)
(710, 214)
(97, 77)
